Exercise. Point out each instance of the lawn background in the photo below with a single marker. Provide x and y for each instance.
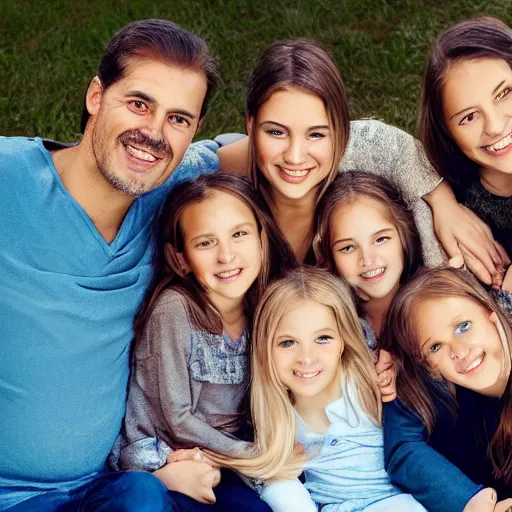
(49, 50)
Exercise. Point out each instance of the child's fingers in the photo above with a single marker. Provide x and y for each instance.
(185, 454)
(388, 394)
(384, 363)
(504, 506)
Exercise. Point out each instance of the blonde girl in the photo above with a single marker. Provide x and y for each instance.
(453, 422)
(216, 250)
(314, 384)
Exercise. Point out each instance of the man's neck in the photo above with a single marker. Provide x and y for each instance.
(81, 177)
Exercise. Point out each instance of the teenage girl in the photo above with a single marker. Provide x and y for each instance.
(453, 423)
(300, 137)
(313, 383)
(366, 234)
(216, 250)
(466, 118)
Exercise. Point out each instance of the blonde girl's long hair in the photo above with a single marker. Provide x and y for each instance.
(414, 379)
(271, 406)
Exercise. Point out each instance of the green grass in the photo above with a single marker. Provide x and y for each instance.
(49, 50)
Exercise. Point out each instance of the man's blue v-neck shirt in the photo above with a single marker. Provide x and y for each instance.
(67, 302)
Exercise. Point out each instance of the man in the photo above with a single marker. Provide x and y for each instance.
(75, 260)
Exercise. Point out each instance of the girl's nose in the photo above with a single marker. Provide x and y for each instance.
(294, 154)
(226, 253)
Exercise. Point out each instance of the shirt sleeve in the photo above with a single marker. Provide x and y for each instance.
(286, 495)
(200, 158)
(419, 469)
(385, 150)
(168, 334)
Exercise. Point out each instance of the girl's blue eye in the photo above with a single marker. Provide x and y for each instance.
(382, 239)
(317, 135)
(347, 249)
(287, 343)
(275, 133)
(324, 339)
(463, 327)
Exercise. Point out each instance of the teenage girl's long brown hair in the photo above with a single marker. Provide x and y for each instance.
(414, 380)
(468, 40)
(302, 65)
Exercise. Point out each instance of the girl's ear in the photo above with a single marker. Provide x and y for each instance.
(248, 125)
(493, 317)
(176, 260)
(183, 263)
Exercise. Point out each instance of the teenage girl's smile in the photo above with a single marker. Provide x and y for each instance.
(293, 142)
(477, 106)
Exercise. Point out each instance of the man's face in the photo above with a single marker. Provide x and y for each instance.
(143, 124)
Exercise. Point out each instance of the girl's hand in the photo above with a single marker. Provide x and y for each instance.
(507, 280)
(463, 234)
(483, 501)
(186, 454)
(195, 479)
(386, 376)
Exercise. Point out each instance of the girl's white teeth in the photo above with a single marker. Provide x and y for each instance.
(373, 273)
(140, 154)
(501, 144)
(295, 174)
(229, 273)
(475, 363)
(307, 375)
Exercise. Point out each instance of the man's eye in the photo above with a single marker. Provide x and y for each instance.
(138, 105)
(179, 120)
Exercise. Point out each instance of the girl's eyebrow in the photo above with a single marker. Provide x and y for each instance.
(385, 230)
(470, 108)
(234, 228)
(284, 127)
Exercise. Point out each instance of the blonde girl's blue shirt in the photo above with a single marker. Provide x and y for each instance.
(67, 304)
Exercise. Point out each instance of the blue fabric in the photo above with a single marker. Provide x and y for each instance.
(416, 466)
(66, 311)
(231, 495)
(131, 491)
(345, 471)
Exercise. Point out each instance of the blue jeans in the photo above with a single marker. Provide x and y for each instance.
(231, 494)
(136, 491)
(128, 491)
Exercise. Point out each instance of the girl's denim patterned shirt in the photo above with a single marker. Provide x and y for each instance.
(187, 389)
